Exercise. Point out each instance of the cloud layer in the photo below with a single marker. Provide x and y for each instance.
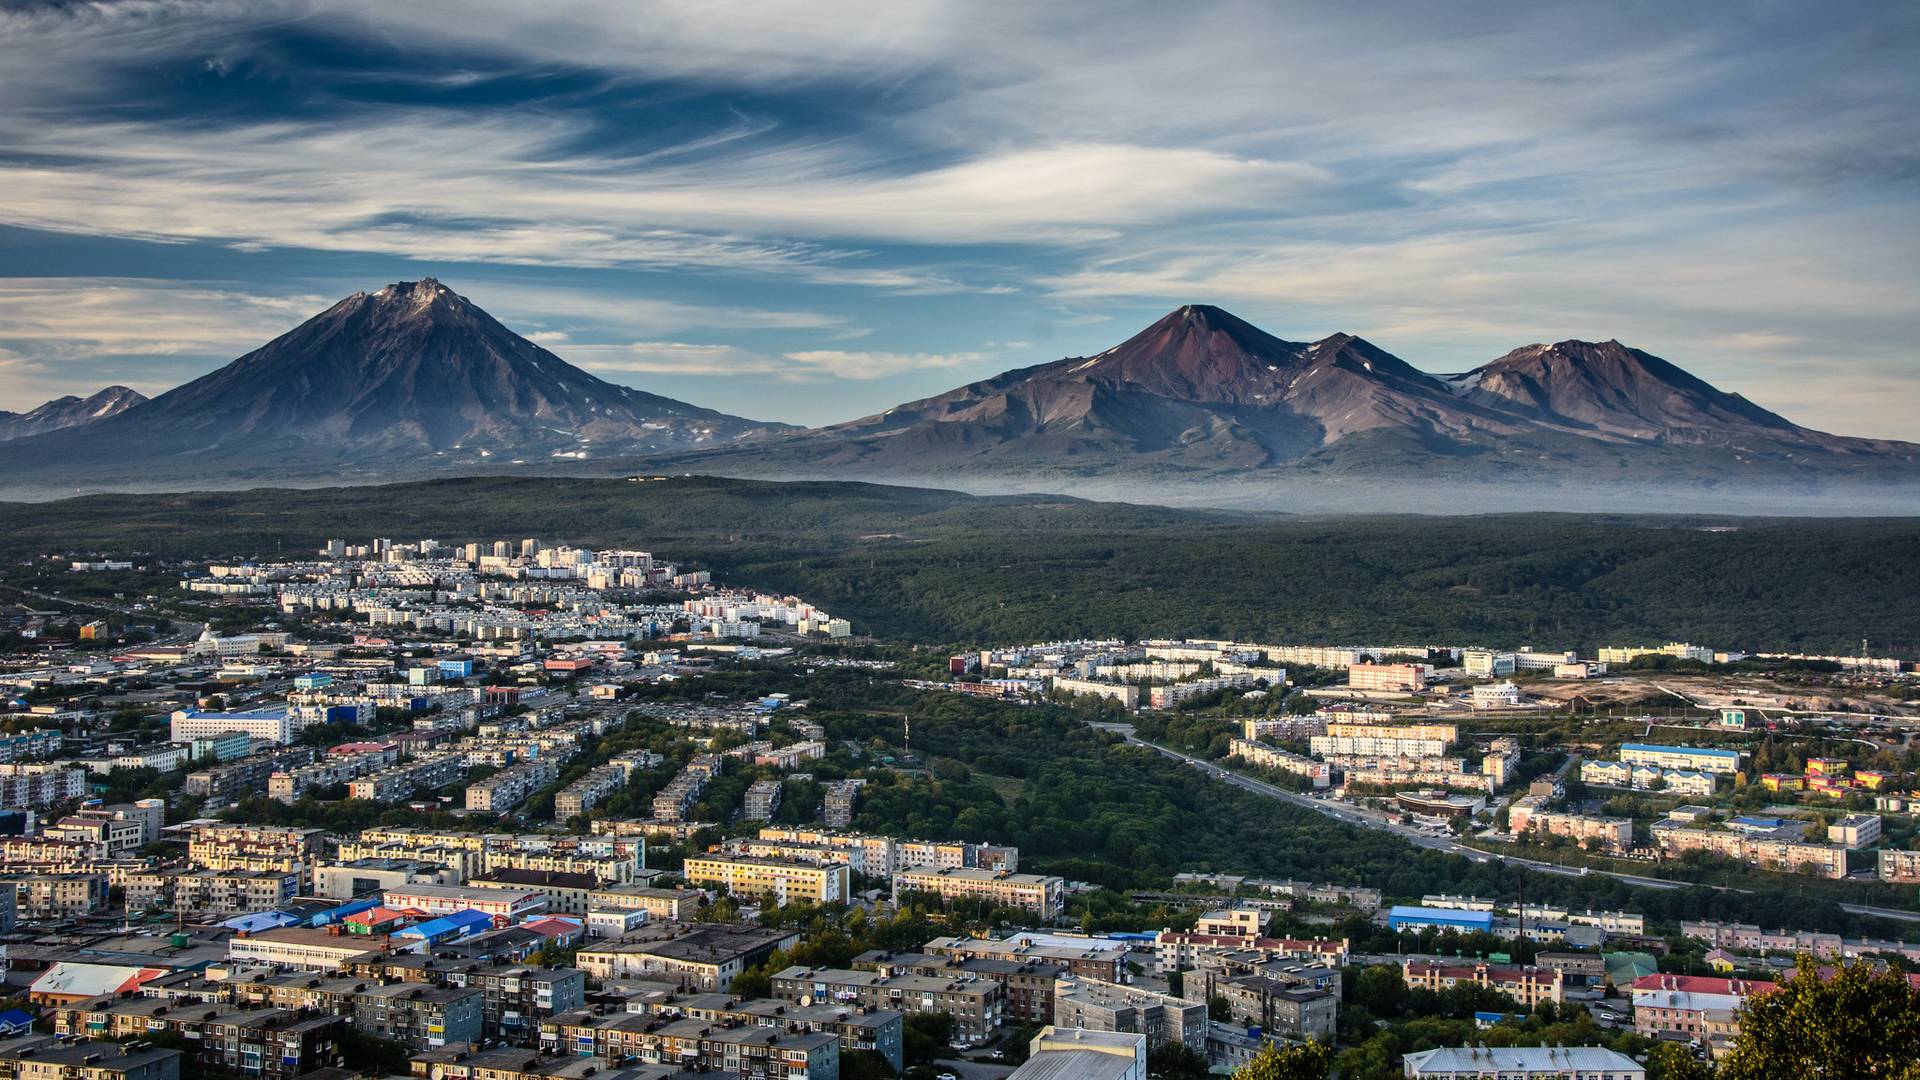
(810, 211)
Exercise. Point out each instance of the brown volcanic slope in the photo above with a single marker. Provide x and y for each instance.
(413, 376)
(1202, 392)
(68, 412)
(1200, 386)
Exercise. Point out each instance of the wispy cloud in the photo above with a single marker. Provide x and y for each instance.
(1733, 191)
(805, 366)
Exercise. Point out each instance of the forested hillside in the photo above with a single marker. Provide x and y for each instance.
(936, 566)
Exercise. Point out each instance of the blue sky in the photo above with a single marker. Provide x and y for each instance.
(809, 212)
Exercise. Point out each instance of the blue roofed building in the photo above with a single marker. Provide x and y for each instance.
(1413, 917)
(445, 928)
(1692, 758)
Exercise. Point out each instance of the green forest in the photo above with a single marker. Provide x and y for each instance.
(1081, 803)
(941, 567)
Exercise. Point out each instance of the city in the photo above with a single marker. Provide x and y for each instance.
(452, 802)
(942, 540)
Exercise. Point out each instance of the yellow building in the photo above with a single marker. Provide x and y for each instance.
(777, 879)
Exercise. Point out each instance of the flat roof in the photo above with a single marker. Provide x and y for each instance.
(1659, 749)
(1435, 914)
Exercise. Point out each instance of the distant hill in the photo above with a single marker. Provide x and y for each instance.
(68, 412)
(1202, 398)
(1200, 408)
(411, 379)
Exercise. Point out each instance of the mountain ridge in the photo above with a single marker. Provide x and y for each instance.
(70, 411)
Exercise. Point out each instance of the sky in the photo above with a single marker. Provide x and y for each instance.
(809, 212)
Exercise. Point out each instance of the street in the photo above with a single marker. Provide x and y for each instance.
(1352, 816)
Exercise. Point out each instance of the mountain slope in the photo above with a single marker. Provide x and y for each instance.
(68, 412)
(1609, 388)
(1202, 395)
(408, 378)
(1198, 388)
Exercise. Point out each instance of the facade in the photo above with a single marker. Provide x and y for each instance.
(507, 905)
(762, 799)
(1388, 677)
(781, 880)
(364, 877)
(1105, 1006)
(704, 956)
(749, 1051)
(39, 1058)
(1044, 896)
(1282, 1007)
(1692, 758)
(274, 727)
(1691, 1005)
(1253, 752)
(35, 787)
(1527, 985)
(974, 1004)
(253, 847)
(1899, 867)
(1609, 834)
(298, 947)
(672, 905)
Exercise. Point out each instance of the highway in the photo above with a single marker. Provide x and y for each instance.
(1351, 816)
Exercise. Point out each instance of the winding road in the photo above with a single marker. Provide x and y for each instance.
(1348, 815)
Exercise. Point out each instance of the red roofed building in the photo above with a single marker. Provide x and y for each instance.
(1696, 1005)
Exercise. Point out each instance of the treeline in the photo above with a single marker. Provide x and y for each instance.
(934, 566)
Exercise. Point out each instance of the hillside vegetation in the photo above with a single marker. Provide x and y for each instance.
(938, 566)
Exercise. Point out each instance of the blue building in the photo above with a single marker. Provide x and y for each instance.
(1410, 917)
(446, 928)
(456, 669)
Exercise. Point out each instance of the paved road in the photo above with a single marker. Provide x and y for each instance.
(1351, 816)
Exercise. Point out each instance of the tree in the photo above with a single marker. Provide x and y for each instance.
(1174, 1061)
(1856, 1023)
(1218, 1010)
(1382, 989)
(1300, 1061)
(1671, 1061)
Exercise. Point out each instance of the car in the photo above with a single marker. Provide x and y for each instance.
(947, 1076)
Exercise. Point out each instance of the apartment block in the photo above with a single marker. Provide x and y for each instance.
(781, 880)
(700, 956)
(510, 786)
(974, 1003)
(1610, 834)
(1318, 773)
(762, 799)
(1026, 986)
(35, 1057)
(671, 905)
(1286, 1008)
(1527, 985)
(36, 787)
(1391, 678)
(1899, 867)
(401, 782)
(1105, 1006)
(220, 846)
(1692, 758)
(1044, 896)
(744, 1050)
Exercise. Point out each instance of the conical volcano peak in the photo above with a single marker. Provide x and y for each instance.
(418, 295)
